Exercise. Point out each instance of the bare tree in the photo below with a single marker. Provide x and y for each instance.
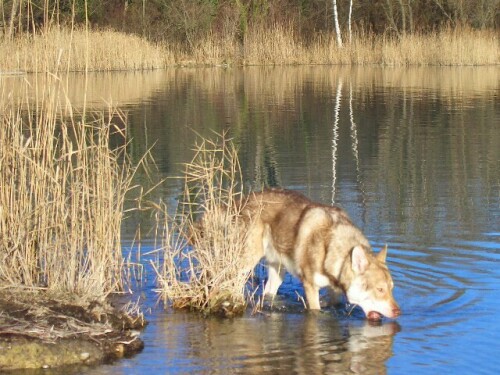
(13, 13)
(403, 16)
(337, 26)
(349, 21)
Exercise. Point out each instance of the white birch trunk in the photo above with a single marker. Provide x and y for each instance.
(337, 26)
(349, 22)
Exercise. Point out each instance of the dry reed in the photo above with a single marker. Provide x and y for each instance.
(446, 47)
(280, 46)
(208, 275)
(78, 50)
(62, 194)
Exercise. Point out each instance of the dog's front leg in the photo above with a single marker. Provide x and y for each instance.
(312, 295)
(336, 295)
(276, 272)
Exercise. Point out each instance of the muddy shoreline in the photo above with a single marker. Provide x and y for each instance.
(41, 331)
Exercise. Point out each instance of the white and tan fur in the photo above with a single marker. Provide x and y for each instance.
(321, 246)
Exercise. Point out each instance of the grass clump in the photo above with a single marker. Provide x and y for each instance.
(64, 48)
(62, 195)
(206, 275)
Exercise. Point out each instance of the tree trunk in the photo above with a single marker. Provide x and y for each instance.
(349, 21)
(403, 16)
(336, 20)
(13, 13)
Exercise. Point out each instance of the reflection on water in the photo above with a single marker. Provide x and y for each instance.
(412, 154)
(272, 343)
(283, 343)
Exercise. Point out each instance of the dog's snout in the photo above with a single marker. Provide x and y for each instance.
(396, 311)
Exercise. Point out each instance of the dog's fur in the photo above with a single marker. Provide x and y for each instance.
(320, 245)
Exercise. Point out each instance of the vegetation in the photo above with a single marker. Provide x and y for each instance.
(186, 22)
(64, 176)
(118, 34)
(39, 331)
(279, 46)
(206, 276)
(60, 49)
(62, 194)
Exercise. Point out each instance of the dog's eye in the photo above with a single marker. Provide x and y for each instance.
(380, 290)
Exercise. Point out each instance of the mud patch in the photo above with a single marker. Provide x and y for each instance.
(38, 330)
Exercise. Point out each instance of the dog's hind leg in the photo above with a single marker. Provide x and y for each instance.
(312, 295)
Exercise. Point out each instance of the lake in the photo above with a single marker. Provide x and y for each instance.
(412, 154)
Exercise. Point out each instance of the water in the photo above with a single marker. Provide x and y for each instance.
(413, 155)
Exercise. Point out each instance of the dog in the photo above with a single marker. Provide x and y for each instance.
(321, 246)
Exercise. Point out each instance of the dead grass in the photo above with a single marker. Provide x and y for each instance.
(38, 330)
(63, 185)
(61, 49)
(274, 47)
(208, 275)
(37, 315)
(62, 195)
(280, 46)
(446, 47)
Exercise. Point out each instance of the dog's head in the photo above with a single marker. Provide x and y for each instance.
(371, 285)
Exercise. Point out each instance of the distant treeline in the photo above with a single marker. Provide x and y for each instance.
(187, 21)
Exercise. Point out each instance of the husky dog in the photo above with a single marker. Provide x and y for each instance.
(321, 246)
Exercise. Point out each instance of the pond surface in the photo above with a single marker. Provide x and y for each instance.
(413, 155)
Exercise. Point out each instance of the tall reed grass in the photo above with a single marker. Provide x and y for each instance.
(281, 46)
(446, 47)
(62, 194)
(61, 49)
(206, 275)
(77, 49)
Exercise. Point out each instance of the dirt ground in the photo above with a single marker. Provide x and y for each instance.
(42, 331)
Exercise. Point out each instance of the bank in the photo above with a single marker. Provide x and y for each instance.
(41, 331)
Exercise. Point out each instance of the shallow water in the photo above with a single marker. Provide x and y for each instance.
(413, 155)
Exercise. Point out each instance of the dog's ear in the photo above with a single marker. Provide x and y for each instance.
(359, 260)
(382, 255)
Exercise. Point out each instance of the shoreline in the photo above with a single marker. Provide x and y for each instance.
(41, 331)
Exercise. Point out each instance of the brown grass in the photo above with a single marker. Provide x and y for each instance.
(447, 47)
(61, 49)
(280, 46)
(207, 276)
(62, 194)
